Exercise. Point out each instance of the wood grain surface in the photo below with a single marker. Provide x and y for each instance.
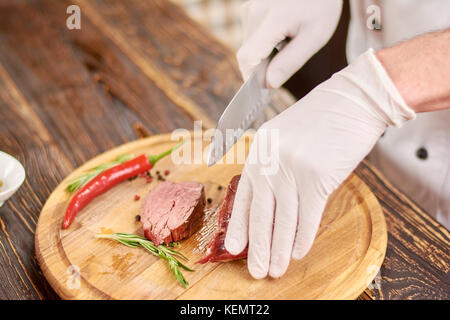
(346, 256)
(69, 95)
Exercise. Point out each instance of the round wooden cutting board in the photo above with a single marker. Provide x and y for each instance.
(346, 256)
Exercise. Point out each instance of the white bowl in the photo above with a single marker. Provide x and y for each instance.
(12, 174)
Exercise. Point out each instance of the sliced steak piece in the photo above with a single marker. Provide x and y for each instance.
(173, 211)
(216, 250)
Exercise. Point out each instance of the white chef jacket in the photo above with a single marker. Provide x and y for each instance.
(415, 157)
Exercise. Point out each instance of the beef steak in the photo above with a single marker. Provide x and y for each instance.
(216, 250)
(173, 211)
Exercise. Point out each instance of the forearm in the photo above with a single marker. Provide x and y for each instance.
(420, 69)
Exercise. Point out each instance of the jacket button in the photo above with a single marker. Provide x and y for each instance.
(422, 153)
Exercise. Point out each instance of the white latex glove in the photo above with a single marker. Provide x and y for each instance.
(322, 138)
(266, 23)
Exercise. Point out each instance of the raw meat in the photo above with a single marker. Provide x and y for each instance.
(216, 250)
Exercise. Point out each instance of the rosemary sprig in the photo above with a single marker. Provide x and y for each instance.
(162, 251)
(78, 182)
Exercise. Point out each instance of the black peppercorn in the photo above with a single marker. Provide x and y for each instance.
(422, 153)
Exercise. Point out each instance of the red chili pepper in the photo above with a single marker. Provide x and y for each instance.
(108, 179)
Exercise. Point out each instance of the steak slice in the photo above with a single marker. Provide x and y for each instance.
(216, 250)
(173, 211)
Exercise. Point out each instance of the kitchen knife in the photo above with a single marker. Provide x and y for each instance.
(242, 110)
(240, 113)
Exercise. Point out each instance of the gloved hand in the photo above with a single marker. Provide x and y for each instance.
(266, 23)
(322, 138)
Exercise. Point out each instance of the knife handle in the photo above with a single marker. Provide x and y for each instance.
(279, 47)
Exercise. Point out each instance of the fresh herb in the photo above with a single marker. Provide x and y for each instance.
(162, 251)
(80, 181)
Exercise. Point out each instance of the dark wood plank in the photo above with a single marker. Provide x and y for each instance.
(417, 263)
(86, 92)
(23, 136)
(183, 58)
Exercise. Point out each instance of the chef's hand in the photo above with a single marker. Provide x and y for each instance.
(266, 23)
(322, 138)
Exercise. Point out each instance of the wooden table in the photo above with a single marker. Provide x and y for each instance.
(68, 95)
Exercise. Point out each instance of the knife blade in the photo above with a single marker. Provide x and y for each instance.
(243, 109)
(240, 113)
